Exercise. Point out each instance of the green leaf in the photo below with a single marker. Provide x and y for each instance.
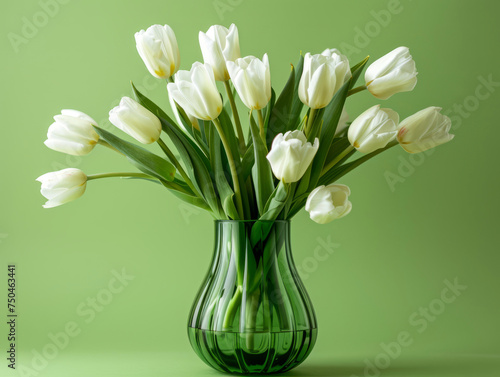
(247, 161)
(273, 207)
(261, 171)
(330, 112)
(286, 111)
(148, 162)
(150, 105)
(198, 167)
(356, 71)
(339, 144)
(276, 202)
(269, 110)
(226, 193)
(155, 109)
(339, 171)
(330, 120)
(228, 129)
(196, 162)
(193, 200)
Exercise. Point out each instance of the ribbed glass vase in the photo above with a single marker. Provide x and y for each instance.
(252, 314)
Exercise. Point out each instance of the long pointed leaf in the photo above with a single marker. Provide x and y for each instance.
(286, 111)
(261, 171)
(144, 159)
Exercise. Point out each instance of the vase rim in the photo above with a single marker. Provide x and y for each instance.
(253, 221)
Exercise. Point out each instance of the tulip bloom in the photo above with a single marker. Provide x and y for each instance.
(291, 154)
(252, 80)
(373, 129)
(135, 120)
(393, 73)
(219, 45)
(62, 186)
(424, 130)
(158, 48)
(192, 119)
(72, 133)
(327, 203)
(196, 92)
(323, 75)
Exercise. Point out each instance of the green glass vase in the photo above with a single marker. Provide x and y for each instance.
(252, 314)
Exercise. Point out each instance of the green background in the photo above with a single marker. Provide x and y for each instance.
(392, 254)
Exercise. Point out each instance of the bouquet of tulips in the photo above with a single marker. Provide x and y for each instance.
(286, 152)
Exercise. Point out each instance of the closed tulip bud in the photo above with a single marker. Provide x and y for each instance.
(158, 48)
(135, 120)
(62, 186)
(373, 129)
(424, 130)
(219, 45)
(323, 75)
(291, 154)
(252, 80)
(393, 73)
(196, 92)
(72, 133)
(327, 203)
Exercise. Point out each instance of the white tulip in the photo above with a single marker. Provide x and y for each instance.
(393, 73)
(158, 48)
(192, 119)
(323, 75)
(196, 92)
(373, 129)
(62, 186)
(252, 80)
(135, 120)
(343, 123)
(291, 154)
(72, 133)
(327, 203)
(424, 130)
(219, 45)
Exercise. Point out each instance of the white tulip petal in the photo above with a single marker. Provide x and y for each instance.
(424, 130)
(135, 120)
(158, 48)
(393, 73)
(373, 129)
(62, 186)
(252, 80)
(72, 133)
(291, 155)
(322, 76)
(327, 203)
(196, 92)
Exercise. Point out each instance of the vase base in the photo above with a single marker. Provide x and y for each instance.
(252, 352)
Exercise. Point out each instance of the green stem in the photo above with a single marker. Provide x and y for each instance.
(261, 125)
(332, 163)
(232, 308)
(232, 166)
(252, 308)
(177, 164)
(234, 109)
(310, 121)
(356, 90)
(119, 175)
